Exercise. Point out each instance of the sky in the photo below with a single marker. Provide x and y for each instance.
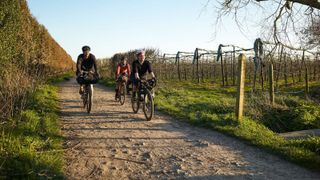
(113, 26)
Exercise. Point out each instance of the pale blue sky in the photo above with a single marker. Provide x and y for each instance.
(111, 26)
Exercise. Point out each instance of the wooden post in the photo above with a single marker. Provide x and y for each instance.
(178, 61)
(202, 72)
(285, 70)
(271, 83)
(226, 69)
(198, 73)
(279, 67)
(307, 83)
(249, 69)
(233, 66)
(261, 74)
(241, 80)
(222, 70)
(160, 65)
(302, 64)
(179, 72)
(292, 73)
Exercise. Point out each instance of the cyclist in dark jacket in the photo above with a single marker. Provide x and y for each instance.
(140, 68)
(86, 62)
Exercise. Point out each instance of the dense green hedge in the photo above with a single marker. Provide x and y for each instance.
(28, 55)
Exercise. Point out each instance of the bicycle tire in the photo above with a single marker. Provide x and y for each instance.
(123, 91)
(84, 100)
(135, 104)
(148, 111)
(89, 103)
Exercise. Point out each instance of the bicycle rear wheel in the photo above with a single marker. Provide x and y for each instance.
(123, 91)
(148, 105)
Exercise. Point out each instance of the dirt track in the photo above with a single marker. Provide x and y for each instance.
(114, 143)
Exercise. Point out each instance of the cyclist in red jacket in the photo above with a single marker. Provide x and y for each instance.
(123, 71)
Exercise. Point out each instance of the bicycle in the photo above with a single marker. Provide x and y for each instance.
(122, 92)
(87, 78)
(144, 95)
(87, 97)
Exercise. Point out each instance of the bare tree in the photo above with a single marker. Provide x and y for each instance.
(286, 20)
(312, 32)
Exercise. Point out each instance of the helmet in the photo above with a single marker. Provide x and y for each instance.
(140, 51)
(85, 48)
(123, 58)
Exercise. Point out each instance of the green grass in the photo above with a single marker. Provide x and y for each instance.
(107, 81)
(30, 145)
(213, 107)
(60, 78)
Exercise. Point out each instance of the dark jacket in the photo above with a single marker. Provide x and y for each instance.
(142, 69)
(89, 64)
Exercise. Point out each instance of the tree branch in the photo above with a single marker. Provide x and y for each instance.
(311, 3)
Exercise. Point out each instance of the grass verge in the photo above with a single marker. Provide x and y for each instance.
(30, 144)
(206, 106)
(60, 78)
(107, 81)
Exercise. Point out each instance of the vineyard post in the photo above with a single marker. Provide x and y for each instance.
(271, 84)
(250, 70)
(160, 64)
(202, 72)
(314, 69)
(198, 75)
(222, 71)
(261, 75)
(178, 61)
(233, 66)
(285, 70)
(302, 64)
(307, 82)
(241, 81)
(226, 69)
(196, 60)
(292, 73)
(279, 67)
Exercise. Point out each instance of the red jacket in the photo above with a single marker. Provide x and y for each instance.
(123, 69)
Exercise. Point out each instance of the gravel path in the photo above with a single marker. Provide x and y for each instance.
(114, 143)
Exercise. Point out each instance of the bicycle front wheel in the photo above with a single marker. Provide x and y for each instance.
(148, 105)
(123, 93)
(135, 102)
(89, 100)
(84, 99)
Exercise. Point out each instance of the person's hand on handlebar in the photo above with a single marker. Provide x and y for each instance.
(137, 76)
(80, 73)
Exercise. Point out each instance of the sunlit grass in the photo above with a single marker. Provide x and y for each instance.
(30, 145)
(208, 106)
